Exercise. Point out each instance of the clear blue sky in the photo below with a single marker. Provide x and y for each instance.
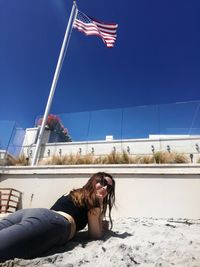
(156, 58)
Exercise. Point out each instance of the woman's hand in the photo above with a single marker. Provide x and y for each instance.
(100, 198)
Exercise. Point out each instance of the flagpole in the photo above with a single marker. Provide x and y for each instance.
(54, 82)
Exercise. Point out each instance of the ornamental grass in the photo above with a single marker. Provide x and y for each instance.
(169, 158)
(22, 160)
(112, 158)
(68, 160)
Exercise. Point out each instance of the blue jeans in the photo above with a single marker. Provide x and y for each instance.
(28, 233)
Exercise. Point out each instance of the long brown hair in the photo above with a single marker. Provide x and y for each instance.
(87, 195)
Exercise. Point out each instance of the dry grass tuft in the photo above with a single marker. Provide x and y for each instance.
(169, 158)
(84, 159)
(180, 158)
(69, 160)
(19, 161)
(144, 160)
(162, 157)
(115, 158)
(54, 160)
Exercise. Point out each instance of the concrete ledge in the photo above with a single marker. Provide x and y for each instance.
(125, 169)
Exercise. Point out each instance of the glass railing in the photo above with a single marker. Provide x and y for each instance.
(148, 123)
(11, 140)
(134, 122)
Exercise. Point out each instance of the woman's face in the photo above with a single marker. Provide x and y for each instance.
(104, 186)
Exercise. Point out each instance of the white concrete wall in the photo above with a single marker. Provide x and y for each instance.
(186, 145)
(30, 136)
(160, 191)
(2, 154)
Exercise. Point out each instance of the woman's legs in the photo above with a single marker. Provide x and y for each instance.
(29, 233)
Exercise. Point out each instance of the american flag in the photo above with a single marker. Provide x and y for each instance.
(90, 26)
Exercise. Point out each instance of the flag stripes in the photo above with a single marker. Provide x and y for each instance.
(90, 26)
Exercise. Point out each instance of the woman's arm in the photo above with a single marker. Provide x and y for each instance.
(95, 223)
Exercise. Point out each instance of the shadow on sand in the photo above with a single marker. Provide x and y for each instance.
(81, 239)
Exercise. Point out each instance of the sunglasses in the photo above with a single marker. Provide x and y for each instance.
(103, 182)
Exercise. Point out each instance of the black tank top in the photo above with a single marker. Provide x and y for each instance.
(79, 214)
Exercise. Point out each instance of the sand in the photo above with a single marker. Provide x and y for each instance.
(133, 242)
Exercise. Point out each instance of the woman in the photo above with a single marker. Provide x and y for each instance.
(29, 233)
